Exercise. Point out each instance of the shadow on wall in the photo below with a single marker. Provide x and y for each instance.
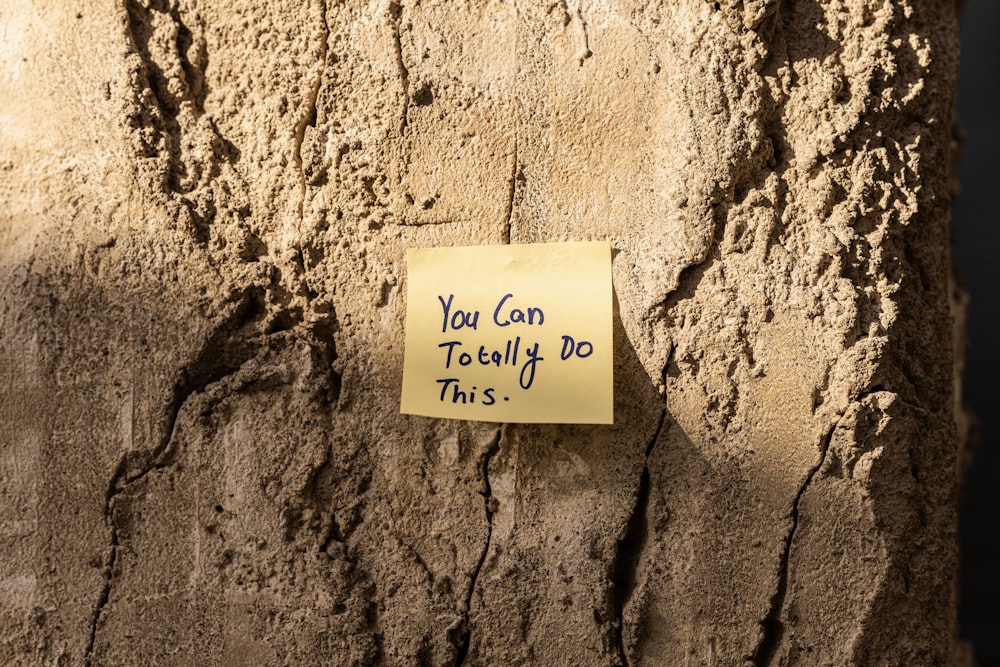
(976, 238)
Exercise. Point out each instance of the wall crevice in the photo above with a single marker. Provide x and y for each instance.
(396, 16)
(630, 548)
(773, 626)
(511, 193)
(464, 630)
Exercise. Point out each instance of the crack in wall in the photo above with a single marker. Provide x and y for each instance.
(696, 268)
(169, 107)
(115, 488)
(465, 638)
(209, 366)
(308, 119)
(585, 52)
(774, 628)
(633, 542)
(396, 14)
(512, 191)
(309, 116)
(102, 601)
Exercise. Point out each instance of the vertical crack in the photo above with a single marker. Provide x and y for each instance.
(774, 628)
(512, 191)
(630, 547)
(309, 114)
(396, 13)
(585, 52)
(121, 480)
(308, 119)
(222, 354)
(102, 601)
(465, 638)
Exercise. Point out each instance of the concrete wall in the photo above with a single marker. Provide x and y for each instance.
(204, 212)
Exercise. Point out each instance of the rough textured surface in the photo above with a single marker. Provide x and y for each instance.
(204, 208)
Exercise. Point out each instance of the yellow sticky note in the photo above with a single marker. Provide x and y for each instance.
(510, 333)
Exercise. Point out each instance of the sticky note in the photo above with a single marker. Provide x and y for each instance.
(510, 333)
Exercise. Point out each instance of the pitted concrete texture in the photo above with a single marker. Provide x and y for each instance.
(204, 210)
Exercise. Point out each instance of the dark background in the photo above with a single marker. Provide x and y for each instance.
(977, 255)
